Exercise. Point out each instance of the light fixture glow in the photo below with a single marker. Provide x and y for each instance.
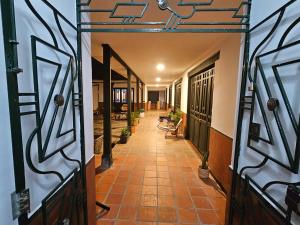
(160, 67)
(158, 79)
(157, 85)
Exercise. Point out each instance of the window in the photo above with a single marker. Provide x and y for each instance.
(120, 95)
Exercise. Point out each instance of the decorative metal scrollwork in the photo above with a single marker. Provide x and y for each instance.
(54, 94)
(271, 111)
(184, 16)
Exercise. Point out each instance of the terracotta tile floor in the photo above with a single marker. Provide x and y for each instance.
(154, 181)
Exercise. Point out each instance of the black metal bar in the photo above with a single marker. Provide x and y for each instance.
(27, 113)
(162, 30)
(27, 94)
(11, 61)
(26, 103)
(240, 121)
(80, 90)
(137, 94)
(129, 100)
(118, 23)
(107, 150)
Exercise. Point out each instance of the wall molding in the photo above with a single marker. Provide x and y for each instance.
(205, 64)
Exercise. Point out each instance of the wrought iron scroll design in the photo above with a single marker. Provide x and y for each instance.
(112, 19)
(67, 98)
(257, 101)
(71, 69)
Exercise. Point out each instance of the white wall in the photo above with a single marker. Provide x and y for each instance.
(7, 185)
(291, 81)
(225, 84)
(87, 93)
(27, 25)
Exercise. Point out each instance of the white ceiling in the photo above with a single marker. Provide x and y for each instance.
(143, 51)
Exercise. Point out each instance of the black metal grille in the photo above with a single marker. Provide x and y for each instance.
(270, 121)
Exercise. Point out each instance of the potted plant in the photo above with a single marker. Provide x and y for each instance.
(124, 136)
(142, 113)
(133, 122)
(203, 169)
(175, 117)
(137, 117)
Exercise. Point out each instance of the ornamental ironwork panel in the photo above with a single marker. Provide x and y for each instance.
(47, 111)
(267, 160)
(165, 16)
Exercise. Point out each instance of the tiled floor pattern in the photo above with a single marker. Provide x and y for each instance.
(154, 181)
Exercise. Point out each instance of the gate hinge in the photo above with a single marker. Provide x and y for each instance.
(20, 203)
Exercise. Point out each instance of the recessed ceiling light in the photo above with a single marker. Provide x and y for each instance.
(160, 67)
(158, 79)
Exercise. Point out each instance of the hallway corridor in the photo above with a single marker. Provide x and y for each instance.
(154, 181)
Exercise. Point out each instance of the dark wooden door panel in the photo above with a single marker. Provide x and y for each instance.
(200, 94)
(196, 133)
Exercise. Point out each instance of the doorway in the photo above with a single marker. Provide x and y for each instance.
(200, 107)
(178, 95)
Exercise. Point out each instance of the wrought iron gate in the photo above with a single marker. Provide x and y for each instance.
(201, 95)
(64, 97)
(266, 184)
(46, 115)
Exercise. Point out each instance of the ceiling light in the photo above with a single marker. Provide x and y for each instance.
(160, 67)
(158, 79)
(157, 85)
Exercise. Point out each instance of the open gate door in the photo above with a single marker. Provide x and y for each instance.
(266, 180)
(45, 100)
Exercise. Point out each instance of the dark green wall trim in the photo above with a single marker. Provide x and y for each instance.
(204, 65)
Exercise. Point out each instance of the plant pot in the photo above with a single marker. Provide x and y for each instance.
(203, 173)
(123, 139)
(142, 114)
(132, 129)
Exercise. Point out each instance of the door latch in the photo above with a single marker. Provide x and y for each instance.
(20, 203)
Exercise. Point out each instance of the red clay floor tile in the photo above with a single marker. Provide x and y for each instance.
(154, 181)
